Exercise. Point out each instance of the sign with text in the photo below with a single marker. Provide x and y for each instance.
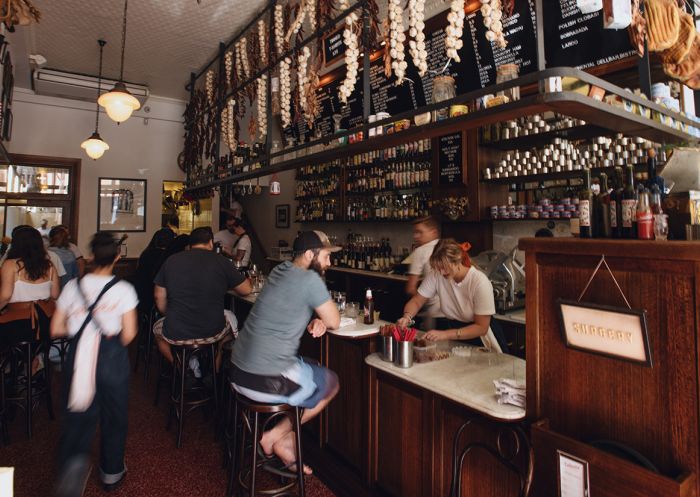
(573, 475)
(334, 47)
(615, 332)
(450, 161)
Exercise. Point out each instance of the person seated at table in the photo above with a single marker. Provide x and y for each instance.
(55, 260)
(466, 297)
(150, 262)
(74, 248)
(29, 286)
(190, 289)
(59, 245)
(241, 249)
(266, 365)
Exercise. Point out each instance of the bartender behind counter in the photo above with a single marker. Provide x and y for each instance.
(242, 248)
(227, 237)
(426, 233)
(465, 293)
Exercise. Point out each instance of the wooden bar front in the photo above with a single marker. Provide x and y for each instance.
(580, 397)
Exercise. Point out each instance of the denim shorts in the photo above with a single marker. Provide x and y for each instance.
(315, 383)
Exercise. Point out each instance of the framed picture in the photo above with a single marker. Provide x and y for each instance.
(282, 216)
(121, 204)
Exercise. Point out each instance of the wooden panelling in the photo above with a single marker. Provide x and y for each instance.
(347, 415)
(399, 438)
(652, 410)
(482, 474)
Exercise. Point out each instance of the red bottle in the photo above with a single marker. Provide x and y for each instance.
(369, 307)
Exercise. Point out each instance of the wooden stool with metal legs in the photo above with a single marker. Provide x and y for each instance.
(250, 413)
(146, 340)
(518, 444)
(4, 437)
(201, 393)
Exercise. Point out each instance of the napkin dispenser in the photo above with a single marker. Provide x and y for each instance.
(507, 277)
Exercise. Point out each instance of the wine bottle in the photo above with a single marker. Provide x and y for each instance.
(616, 204)
(369, 307)
(603, 208)
(629, 205)
(585, 207)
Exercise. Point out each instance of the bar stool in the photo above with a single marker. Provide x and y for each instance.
(28, 388)
(499, 453)
(145, 345)
(251, 424)
(4, 436)
(179, 405)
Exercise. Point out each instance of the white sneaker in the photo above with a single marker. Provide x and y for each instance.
(194, 366)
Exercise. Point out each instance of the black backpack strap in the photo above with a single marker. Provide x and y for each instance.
(89, 316)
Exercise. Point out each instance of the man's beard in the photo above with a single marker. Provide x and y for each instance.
(316, 266)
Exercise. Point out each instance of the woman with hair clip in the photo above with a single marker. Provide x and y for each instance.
(466, 297)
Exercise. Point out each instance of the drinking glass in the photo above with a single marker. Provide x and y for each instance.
(661, 226)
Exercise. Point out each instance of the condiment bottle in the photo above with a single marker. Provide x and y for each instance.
(369, 307)
(645, 218)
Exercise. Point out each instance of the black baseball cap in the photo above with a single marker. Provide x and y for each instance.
(309, 240)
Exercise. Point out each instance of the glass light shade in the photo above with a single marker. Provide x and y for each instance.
(119, 103)
(94, 146)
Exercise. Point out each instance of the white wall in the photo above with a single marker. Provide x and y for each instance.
(145, 146)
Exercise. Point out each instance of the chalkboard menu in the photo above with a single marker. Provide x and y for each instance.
(580, 40)
(333, 47)
(450, 159)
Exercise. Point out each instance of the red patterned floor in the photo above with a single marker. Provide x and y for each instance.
(155, 467)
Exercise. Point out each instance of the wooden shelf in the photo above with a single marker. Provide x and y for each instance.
(601, 118)
(534, 178)
(397, 191)
(539, 139)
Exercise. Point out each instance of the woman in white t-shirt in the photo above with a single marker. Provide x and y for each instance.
(99, 313)
(465, 293)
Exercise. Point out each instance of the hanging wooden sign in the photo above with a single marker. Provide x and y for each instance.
(618, 332)
(610, 331)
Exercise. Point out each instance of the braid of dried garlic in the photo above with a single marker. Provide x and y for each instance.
(209, 86)
(286, 91)
(397, 39)
(230, 128)
(262, 42)
(416, 17)
(302, 76)
(279, 29)
(493, 20)
(352, 53)
(453, 40)
(262, 106)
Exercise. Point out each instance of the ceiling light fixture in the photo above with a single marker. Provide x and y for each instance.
(118, 102)
(95, 146)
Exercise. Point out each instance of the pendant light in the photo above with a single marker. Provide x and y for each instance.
(95, 146)
(118, 102)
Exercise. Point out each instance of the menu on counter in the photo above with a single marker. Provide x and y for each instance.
(450, 159)
(580, 40)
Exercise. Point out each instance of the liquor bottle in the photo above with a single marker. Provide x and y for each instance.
(616, 204)
(629, 205)
(369, 307)
(585, 207)
(645, 218)
(603, 208)
(652, 178)
(656, 200)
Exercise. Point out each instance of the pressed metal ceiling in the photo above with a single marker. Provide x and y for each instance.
(166, 39)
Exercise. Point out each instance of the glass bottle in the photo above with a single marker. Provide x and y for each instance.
(645, 218)
(585, 207)
(629, 205)
(443, 89)
(603, 208)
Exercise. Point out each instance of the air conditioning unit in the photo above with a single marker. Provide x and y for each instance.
(54, 83)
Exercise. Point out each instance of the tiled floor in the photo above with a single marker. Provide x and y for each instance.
(155, 466)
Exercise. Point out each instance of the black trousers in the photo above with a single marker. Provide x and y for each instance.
(448, 324)
(109, 408)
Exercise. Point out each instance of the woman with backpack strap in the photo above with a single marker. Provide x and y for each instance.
(99, 313)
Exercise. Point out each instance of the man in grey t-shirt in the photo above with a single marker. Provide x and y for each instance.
(266, 365)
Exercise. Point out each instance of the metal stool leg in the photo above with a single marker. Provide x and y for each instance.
(233, 459)
(181, 400)
(300, 458)
(254, 464)
(28, 393)
(214, 391)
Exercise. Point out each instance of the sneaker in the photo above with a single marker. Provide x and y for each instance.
(194, 366)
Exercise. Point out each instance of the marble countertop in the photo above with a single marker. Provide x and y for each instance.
(467, 381)
(517, 316)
